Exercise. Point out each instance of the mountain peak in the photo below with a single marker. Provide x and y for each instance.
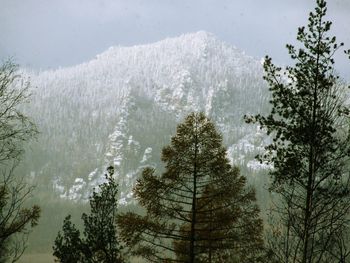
(189, 44)
(202, 36)
(121, 107)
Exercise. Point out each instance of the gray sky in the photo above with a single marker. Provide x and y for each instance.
(53, 33)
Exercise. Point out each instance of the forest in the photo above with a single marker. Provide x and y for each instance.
(178, 183)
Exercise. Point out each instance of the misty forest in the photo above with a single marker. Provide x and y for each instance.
(184, 150)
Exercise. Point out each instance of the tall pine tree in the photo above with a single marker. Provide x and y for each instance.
(309, 124)
(199, 209)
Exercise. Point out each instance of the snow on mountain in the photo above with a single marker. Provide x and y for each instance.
(122, 107)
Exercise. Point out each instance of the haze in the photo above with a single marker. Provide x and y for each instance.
(50, 34)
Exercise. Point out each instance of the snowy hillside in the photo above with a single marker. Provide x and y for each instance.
(122, 107)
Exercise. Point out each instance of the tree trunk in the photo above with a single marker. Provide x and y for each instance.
(194, 203)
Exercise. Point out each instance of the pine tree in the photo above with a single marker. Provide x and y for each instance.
(100, 240)
(228, 224)
(309, 124)
(68, 244)
(199, 208)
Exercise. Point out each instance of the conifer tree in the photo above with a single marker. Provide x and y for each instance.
(99, 243)
(199, 208)
(309, 124)
(68, 244)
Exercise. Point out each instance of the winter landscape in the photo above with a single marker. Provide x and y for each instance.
(182, 149)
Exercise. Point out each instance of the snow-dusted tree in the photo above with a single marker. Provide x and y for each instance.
(199, 208)
(309, 124)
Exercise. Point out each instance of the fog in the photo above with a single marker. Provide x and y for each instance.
(51, 34)
(118, 112)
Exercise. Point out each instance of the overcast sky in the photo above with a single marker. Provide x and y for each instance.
(52, 33)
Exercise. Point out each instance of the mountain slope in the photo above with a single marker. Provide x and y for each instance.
(122, 107)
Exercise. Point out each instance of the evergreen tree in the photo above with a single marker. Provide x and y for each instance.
(199, 208)
(100, 240)
(309, 123)
(68, 244)
(228, 225)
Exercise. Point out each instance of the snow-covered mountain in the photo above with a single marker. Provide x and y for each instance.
(122, 107)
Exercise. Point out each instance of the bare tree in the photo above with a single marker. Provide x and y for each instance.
(16, 221)
(15, 128)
